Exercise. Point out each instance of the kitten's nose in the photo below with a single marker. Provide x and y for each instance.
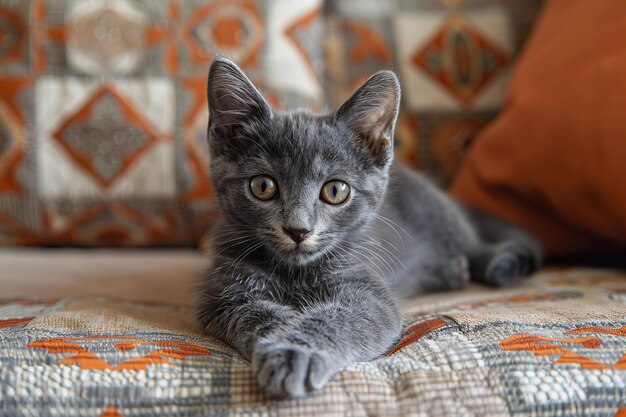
(297, 235)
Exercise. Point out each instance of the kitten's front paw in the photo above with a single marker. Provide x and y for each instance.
(290, 370)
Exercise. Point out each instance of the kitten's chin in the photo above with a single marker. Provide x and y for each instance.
(304, 258)
(297, 256)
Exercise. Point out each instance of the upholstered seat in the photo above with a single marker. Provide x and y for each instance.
(554, 342)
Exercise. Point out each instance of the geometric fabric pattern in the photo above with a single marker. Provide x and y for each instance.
(460, 59)
(454, 58)
(453, 61)
(85, 136)
(103, 110)
(554, 345)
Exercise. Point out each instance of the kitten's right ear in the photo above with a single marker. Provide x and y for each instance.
(233, 100)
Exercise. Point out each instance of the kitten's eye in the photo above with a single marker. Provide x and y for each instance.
(263, 187)
(335, 192)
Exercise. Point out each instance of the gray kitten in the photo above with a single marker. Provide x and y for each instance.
(320, 231)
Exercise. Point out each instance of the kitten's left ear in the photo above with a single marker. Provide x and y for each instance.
(371, 114)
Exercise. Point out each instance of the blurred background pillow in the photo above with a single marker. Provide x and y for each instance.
(555, 159)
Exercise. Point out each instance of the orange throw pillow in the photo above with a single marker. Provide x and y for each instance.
(554, 161)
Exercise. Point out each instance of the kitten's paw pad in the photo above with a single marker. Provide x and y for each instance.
(290, 371)
(510, 265)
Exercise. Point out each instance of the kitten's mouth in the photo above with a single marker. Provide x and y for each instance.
(298, 254)
(303, 257)
(302, 249)
(287, 250)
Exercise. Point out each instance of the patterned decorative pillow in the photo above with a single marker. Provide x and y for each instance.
(454, 58)
(103, 115)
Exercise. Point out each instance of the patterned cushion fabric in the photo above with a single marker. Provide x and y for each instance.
(454, 58)
(553, 346)
(103, 115)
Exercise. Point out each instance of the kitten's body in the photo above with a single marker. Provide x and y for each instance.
(303, 309)
(432, 243)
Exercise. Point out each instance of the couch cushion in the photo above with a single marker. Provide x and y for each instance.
(554, 345)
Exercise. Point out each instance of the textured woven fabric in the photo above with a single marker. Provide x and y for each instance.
(103, 112)
(552, 346)
(454, 59)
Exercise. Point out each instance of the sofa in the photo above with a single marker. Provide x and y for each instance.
(112, 333)
(105, 198)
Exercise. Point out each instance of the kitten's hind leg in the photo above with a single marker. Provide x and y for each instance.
(449, 274)
(503, 264)
(507, 252)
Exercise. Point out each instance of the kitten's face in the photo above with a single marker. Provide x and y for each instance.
(294, 183)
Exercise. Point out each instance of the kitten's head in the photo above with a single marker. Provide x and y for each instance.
(296, 183)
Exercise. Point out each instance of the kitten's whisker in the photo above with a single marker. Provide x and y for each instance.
(378, 275)
(396, 261)
(370, 240)
(378, 216)
(224, 249)
(385, 241)
(242, 254)
(391, 223)
(364, 255)
(218, 238)
(246, 253)
(226, 234)
(235, 227)
(377, 256)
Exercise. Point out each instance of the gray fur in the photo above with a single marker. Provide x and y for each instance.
(302, 313)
